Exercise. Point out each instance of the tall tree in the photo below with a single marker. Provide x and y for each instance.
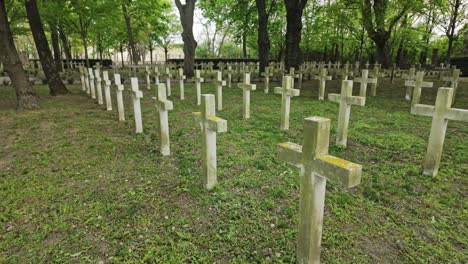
(128, 24)
(25, 96)
(453, 14)
(190, 44)
(294, 10)
(56, 85)
(375, 15)
(263, 40)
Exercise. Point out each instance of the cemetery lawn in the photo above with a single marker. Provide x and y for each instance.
(77, 186)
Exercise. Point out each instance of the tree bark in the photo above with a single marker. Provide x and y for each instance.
(263, 36)
(56, 85)
(451, 30)
(26, 99)
(294, 9)
(131, 41)
(190, 44)
(65, 44)
(56, 48)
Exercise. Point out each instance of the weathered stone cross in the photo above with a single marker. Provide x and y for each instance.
(454, 82)
(322, 79)
(107, 84)
(316, 167)
(292, 73)
(417, 85)
(286, 92)
(168, 80)
(163, 106)
(181, 83)
(148, 78)
(119, 95)
(91, 83)
(210, 125)
(82, 78)
(441, 113)
(246, 88)
(267, 74)
(198, 81)
(229, 73)
(156, 74)
(345, 99)
(219, 83)
(409, 77)
(136, 96)
(364, 80)
(98, 86)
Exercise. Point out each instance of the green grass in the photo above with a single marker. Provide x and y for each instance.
(76, 185)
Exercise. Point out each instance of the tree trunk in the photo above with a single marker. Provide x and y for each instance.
(263, 36)
(65, 44)
(56, 47)
(294, 9)
(166, 51)
(190, 44)
(151, 53)
(56, 85)
(131, 41)
(26, 99)
(121, 54)
(382, 50)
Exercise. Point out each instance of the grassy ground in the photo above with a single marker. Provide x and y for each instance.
(76, 185)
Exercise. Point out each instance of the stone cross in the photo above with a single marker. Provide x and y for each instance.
(168, 80)
(409, 77)
(198, 81)
(219, 83)
(345, 99)
(441, 113)
(209, 125)
(373, 86)
(91, 83)
(267, 74)
(322, 79)
(87, 81)
(229, 72)
(136, 96)
(246, 88)
(286, 92)
(418, 84)
(107, 84)
(316, 168)
(82, 78)
(181, 83)
(364, 80)
(454, 82)
(293, 75)
(156, 74)
(119, 96)
(98, 86)
(163, 106)
(148, 79)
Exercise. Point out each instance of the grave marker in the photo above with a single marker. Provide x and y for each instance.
(119, 95)
(209, 125)
(219, 83)
(322, 79)
(267, 74)
(198, 81)
(246, 88)
(163, 106)
(286, 92)
(91, 83)
(441, 113)
(136, 96)
(316, 168)
(98, 86)
(364, 80)
(345, 99)
(181, 83)
(107, 84)
(418, 84)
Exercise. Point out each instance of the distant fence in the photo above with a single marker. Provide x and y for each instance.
(216, 61)
(461, 63)
(105, 63)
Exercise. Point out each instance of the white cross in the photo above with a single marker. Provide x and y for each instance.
(107, 84)
(98, 86)
(168, 80)
(219, 83)
(454, 82)
(198, 81)
(440, 113)
(246, 88)
(346, 99)
(91, 83)
(119, 95)
(267, 74)
(316, 167)
(322, 79)
(148, 78)
(181, 83)
(286, 92)
(364, 80)
(136, 96)
(209, 125)
(163, 106)
(418, 83)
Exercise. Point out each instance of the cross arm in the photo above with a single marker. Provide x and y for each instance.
(334, 97)
(164, 104)
(427, 84)
(342, 171)
(458, 114)
(424, 110)
(409, 83)
(217, 124)
(138, 94)
(356, 100)
(290, 152)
